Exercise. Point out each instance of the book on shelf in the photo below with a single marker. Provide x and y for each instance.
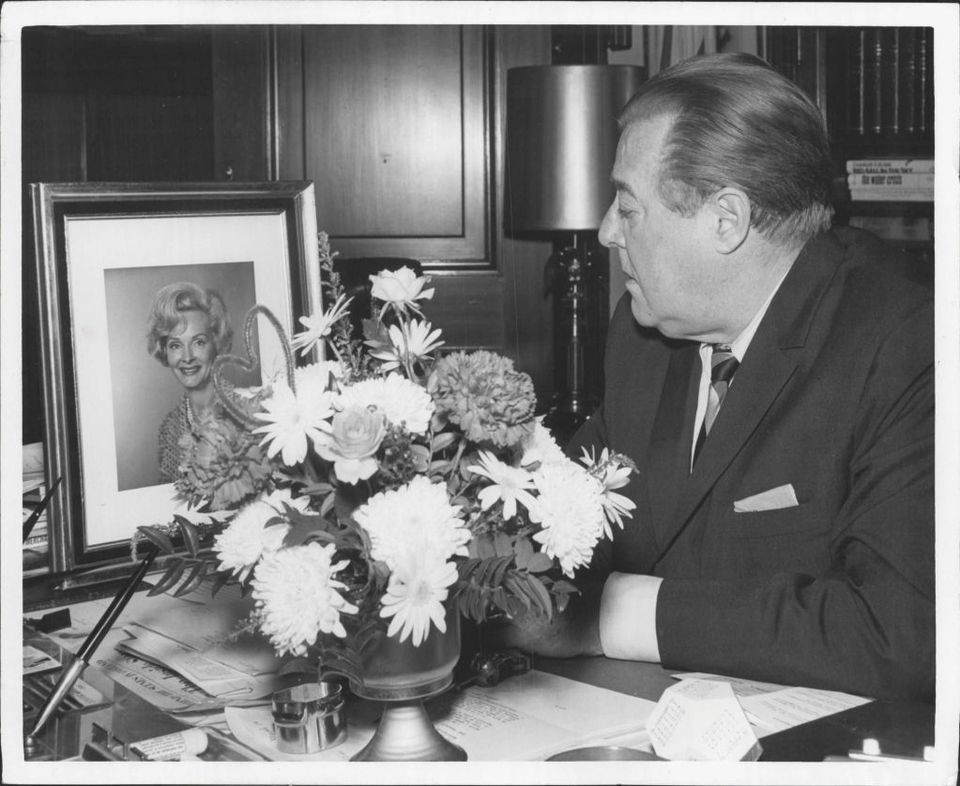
(890, 194)
(893, 166)
(918, 180)
(914, 229)
(890, 81)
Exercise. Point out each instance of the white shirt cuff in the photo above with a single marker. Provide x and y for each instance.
(628, 617)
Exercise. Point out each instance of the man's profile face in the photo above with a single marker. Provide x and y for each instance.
(670, 275)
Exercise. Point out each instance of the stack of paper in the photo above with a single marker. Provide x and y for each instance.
(525, 718)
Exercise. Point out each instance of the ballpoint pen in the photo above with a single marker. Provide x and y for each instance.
(89, 646)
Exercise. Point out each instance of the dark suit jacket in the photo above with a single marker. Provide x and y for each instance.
(835, 395)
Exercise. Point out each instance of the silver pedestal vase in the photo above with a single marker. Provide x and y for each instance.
(403, 677)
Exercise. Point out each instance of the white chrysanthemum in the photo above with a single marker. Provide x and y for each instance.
(248, 538)
(290, 419)
(402, 402)
(298, 597)
(613, 475)
(315, 377)
(241, 545)
(539, 447)
(510, 484)
(570, 510)
(414, 341)
(318, 326)
(415, 596)
(414, 519)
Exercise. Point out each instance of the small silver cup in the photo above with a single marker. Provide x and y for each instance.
(309, 718)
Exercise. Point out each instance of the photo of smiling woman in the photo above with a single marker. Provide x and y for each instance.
(166, 326)
(189, 326)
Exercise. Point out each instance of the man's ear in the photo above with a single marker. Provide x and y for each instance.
(730, 209)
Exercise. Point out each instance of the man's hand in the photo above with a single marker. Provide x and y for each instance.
(573, 632)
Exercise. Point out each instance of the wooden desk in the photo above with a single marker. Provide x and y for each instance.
(902, 728)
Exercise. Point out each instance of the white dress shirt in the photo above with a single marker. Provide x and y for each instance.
(628, 605)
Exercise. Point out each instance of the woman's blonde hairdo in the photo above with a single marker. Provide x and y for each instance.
(167, 315)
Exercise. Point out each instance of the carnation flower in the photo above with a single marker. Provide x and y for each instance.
(510, 484)
(318, 326)
(404, 403)
(415, 519)
(485, 396)
(400, 289)
(613, 471)
(570, 510)
(248, 538)
(353, 443)
(409, 343)
(221, 464)
(298, 598)
(539, 447)
(415, 596)
(292, 418)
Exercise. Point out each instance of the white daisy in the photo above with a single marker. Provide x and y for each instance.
(290, 419)
(412, 341)
(510, 484)
(539, 446)
(318, 326)
(570, 511)
(613, 475)
(415, 596)
(404, 403)
(400, 289)
(298, 597)
(414, 519)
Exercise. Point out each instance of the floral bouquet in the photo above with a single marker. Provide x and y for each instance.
(369, 490)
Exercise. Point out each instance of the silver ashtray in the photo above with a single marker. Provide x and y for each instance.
(309, 718)
(604, 753)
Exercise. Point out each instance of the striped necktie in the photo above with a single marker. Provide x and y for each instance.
(723, 365)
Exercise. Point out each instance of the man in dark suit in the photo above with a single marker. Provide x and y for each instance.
(784, 528)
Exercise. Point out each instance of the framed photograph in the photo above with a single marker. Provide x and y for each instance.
(108, 254)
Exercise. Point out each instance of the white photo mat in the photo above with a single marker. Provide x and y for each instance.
(95, 244)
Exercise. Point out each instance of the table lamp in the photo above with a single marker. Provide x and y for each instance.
(561, 143)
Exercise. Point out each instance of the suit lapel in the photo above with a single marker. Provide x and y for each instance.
(770, 361)
(668, 463)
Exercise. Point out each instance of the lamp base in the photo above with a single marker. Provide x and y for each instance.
(563, 420)
(406, 733)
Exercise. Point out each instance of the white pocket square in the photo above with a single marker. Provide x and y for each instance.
(771, 499)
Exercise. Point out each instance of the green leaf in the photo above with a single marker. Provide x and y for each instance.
(499, 570)
(523, 551)
(540, 592)
(502, 544)
(485, 548)
(194, 578)
(159, 539)
(174, 571)
(218, 583)
(190, 536)
(443, 440)
(515, 587)
(327, 504)
(539, 563)
(562, 586)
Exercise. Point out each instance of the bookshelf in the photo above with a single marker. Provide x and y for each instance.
(875, 88)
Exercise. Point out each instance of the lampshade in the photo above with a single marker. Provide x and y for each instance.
(561, 143)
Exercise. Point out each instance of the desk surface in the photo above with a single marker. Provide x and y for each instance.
(902, 728)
